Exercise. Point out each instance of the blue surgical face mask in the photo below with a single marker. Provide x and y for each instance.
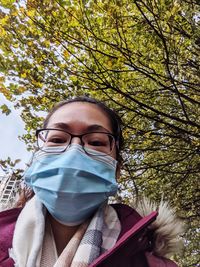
(72, 185)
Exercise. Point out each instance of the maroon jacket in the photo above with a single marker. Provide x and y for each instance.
(133, 248)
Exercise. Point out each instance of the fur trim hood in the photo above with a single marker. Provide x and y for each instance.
(166, 230)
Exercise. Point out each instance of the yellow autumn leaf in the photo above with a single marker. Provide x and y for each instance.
(47, 43)
(66, 54)
(2, 79)
(2, 32)
(21, 89)
(14, 13)
(30, 13)
(37, 84)
(29, 43)
(23, 75)
(5, 92)
(16, 45)
(4, 20)
(109, 63)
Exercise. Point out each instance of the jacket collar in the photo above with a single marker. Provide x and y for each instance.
(131, 237)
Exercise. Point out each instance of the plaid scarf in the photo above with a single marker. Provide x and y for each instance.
(89, 242)
(34, 245)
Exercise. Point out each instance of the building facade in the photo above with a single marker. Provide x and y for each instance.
(9, 190)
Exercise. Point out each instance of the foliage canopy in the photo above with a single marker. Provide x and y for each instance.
(142, 58)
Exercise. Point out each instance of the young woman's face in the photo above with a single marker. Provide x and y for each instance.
(80, 117)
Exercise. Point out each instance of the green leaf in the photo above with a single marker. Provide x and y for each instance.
(4, 109)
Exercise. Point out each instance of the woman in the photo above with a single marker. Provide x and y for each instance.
(68, 221)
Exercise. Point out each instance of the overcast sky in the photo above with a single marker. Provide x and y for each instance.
(11, 127)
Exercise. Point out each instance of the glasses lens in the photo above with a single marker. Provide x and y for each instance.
(101, 142)
(53, 140)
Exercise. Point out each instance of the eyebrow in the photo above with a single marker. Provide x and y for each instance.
(90, 128)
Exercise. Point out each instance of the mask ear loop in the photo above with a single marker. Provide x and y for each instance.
(31, 159)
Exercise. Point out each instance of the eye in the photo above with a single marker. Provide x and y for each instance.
(56, 140)
(97, 143)
(97, 140)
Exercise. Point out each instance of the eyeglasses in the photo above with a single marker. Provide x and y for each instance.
(57, 141)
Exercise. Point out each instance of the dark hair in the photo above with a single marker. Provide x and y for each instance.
(115, 120)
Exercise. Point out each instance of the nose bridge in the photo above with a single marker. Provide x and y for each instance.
(76, 140)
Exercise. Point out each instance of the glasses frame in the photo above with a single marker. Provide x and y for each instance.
(80, 136)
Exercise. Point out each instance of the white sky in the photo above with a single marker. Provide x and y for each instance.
(11, 127)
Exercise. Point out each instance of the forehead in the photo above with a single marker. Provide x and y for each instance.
(80, 115)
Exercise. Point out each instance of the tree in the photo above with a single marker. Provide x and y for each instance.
(142, 57)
